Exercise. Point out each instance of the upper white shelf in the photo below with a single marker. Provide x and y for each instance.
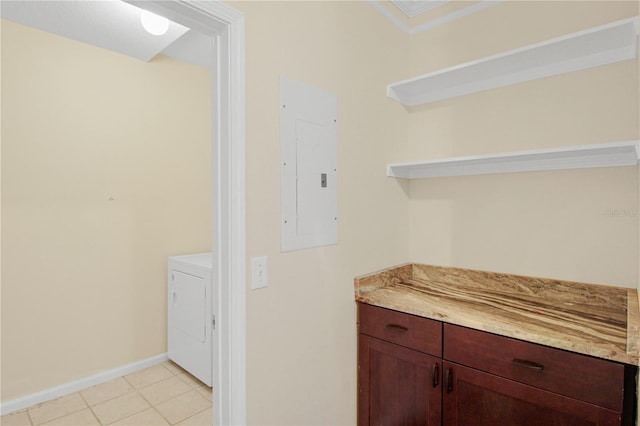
(575, 157)
(601, 45)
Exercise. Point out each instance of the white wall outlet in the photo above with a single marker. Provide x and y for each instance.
(259, 277)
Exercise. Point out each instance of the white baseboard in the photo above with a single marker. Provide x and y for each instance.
(75, 386)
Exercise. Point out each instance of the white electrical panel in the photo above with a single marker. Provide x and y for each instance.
(309, 183)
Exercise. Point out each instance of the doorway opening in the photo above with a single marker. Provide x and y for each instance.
(224, 26)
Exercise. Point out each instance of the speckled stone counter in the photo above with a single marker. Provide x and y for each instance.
(590, 319)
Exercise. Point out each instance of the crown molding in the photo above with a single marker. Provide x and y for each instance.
(476, 7)
(413, 8)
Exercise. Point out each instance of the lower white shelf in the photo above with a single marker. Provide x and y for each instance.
(615, 154)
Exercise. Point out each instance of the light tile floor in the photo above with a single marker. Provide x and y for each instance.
(163, 394)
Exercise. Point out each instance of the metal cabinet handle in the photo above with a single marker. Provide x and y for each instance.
(527, 364)
(436, 374)
(449, 380)
(396, 328)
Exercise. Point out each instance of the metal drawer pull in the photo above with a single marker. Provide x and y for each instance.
(449, 380)
(396, 328)
(527, 364)
(436, 374)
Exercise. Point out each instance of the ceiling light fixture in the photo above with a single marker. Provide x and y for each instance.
(154, 24)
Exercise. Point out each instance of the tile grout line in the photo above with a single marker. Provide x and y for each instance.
(160, 402)
(110, 381)
(59, 417)
(164, 400)
(131, 414)
(163, 417)
(137, 391)
(184, 419)
(153, 406)
(90, 407)
(195, 414)
(181, 420)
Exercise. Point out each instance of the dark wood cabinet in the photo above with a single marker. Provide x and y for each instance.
(416, 371)
(581, 377)
(399, 369)
(398, 386)
(476, 398)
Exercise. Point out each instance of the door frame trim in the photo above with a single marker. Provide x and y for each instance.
(226, 25)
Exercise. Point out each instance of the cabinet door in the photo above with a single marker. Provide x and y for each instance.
(475, 398)
(397, 386)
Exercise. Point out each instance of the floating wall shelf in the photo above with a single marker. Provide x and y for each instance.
(574, 157)
(601, 45)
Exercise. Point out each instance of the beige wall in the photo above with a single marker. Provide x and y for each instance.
(105, 173)
(302, 328)
(549, 224)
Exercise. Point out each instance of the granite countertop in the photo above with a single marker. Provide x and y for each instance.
(591, 319)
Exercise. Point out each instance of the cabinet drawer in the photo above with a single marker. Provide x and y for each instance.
(476, 398)
(421, 334)
(592, 380)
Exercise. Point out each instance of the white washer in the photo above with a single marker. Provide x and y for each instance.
(190, 317)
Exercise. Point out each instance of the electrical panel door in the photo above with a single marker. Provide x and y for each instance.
(309, 178)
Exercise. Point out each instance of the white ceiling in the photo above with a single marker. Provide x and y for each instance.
(112, 25)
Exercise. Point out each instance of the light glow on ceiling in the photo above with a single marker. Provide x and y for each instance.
(154, 24)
